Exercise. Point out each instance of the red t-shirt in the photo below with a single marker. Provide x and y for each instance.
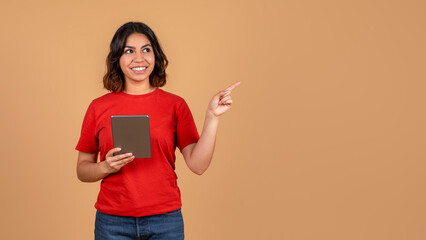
(145, 186)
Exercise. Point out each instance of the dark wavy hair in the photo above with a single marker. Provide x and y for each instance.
(114, 77)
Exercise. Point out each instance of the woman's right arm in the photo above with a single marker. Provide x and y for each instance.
(89, 170)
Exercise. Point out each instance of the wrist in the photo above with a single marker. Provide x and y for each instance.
(104, 167)
(211, 116)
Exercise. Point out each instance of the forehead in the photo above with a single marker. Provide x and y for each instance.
(137, 39)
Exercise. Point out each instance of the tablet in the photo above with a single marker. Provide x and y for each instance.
(131, 134)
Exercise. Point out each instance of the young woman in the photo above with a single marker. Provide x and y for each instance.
(139, 198)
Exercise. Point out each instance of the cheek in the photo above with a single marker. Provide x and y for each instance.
(151, 58)
(122, 63)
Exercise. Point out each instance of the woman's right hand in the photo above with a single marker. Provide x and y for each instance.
(113, 163)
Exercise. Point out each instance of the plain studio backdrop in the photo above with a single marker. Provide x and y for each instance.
(325, 140)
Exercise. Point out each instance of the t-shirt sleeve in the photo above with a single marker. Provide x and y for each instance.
(88, 142)
(186, 130)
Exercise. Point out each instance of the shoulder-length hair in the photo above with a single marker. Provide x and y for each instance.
(114, 78)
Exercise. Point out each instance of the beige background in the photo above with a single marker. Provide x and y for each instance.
(326, 139)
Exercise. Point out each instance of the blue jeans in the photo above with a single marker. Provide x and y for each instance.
(164, 226)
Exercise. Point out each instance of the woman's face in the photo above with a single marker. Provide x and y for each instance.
(138, 59)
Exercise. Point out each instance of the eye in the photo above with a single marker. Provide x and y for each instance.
(128, 51)
(145, 50)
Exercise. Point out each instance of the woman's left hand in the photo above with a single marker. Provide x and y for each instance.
(222, 101)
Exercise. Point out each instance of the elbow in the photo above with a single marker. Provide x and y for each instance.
(84, 179)
(80, 177)
(199, 172)
(198, 165)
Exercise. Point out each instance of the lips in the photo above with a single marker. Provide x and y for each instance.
(138, 68)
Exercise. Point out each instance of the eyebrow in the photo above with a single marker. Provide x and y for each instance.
(146, 45)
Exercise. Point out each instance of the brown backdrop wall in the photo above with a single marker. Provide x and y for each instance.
(325, 140)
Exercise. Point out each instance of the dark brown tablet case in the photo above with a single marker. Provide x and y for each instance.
(131, 134)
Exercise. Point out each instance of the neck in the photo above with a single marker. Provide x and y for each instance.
(137, 89)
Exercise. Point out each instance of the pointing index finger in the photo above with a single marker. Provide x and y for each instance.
(232, 86)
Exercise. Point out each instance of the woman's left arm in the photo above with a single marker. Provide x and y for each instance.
(199, 155)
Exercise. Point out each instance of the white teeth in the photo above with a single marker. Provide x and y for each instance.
(139, 68)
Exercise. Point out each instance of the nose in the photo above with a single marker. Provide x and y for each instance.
(138, 57)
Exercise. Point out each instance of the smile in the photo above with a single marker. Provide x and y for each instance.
(138, 68)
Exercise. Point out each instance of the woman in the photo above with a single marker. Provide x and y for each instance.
(139, 198)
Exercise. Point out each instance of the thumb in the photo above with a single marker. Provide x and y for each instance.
(112, 151)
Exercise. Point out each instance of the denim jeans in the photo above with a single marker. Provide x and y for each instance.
(157, 227)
